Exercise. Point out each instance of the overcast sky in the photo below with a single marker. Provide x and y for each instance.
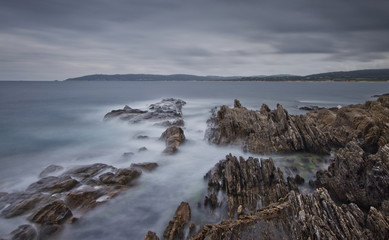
(59, 39)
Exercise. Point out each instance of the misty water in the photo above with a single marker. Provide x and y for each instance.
(43, 123)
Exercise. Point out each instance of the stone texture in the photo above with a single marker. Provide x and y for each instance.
(151, 236)
(167, 112)
(24, 232)
(145, 166)
(54, 213)
(175, 229)
(173, 137)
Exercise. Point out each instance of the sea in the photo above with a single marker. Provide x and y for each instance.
(43, 123)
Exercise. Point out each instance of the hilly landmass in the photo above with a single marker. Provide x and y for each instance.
(357, 75)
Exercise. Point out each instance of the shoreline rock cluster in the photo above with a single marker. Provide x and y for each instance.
(351, 200)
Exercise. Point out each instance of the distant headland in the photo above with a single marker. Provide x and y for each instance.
(357, 75)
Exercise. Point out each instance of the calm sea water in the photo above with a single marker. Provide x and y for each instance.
(44, 123)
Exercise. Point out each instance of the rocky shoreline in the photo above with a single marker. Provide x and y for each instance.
(349, 200)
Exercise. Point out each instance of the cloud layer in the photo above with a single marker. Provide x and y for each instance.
(46, 40)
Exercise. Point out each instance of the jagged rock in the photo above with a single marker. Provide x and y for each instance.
(22, 204)
(53, 185)
(83, 198)
(121, 177)
(145, 166)
(247, 183)
(168, 112)
(49, 170)
(24, 232)
(300, 216)
(175, 229)
(174, 137)
(318, 131)
(151, 236)
(88, 171)
(356, 176)
(54, 213)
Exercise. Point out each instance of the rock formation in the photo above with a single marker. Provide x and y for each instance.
(175, 229)
(173, 137)
(168, 112)
(318, 131)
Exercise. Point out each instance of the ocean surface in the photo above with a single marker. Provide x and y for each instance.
(43, 123)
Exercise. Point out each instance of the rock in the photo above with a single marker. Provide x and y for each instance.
(145, 166)
(54, 213)
(142, 149)
(87, 171)
(24, 232)
(175, 229)
(317, 131)
(24, 203)
(128, 154)
(53, 185)
(310, 108)
(174, 137)
(168, 112)
(142, 137)
(356, 176)
(246, 183)
(299, 180)
(151, 236)
(300, 216)
(49, 170)
(83, 198)
(381, 95)
(48, 230)
(122, 177)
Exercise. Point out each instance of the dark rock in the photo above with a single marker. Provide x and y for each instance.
(311, 108)
(49, 170)
(300, 216)
(299, 180)
(83, 198)
(24, 232)
(48, 230)
(54, 213)
(142, 149)
(175, 229)
(121, 177)
(87, 171)
(145, 166)
(248, 183)
(24, 204)
(53, 185)
(381, 95)
(142, 137)
(356, 176)
(317, 131)
(151, 236)
(168, 112)
(174, 137)
(128, 154)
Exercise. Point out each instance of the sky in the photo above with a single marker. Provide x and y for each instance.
(60, 39)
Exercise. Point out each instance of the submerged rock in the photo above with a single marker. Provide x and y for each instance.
(24, 232)
(49, 170)
(145, 166)
(168, 112)
(174, 137)
(175, 229)
(318, 131)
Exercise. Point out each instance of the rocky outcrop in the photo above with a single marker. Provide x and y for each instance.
(168, 112)
(151, 236)
(300, 216)
(248, 184)
(175, 229)
(52, 200)
(318, 131)
(358, 177)
(173, 137)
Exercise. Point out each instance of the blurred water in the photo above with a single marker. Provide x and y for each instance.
(44, 123)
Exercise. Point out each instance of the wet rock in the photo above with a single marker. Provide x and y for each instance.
(300, 216)
(356, 176)
(246, 183)
(310, 108)
(87, 171)
(145, 166)
(151, 236)
(175, 229)
(53, 185)
(49, 170)
(168, 112)
(24, 232)
(142, 149)
(24, 203)
(48, 230)
(299, 180)
(174, 137)
(317, 131)
(83, 198)
(54, 213)
(128, 154)
(122, 177)
(142, 137)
